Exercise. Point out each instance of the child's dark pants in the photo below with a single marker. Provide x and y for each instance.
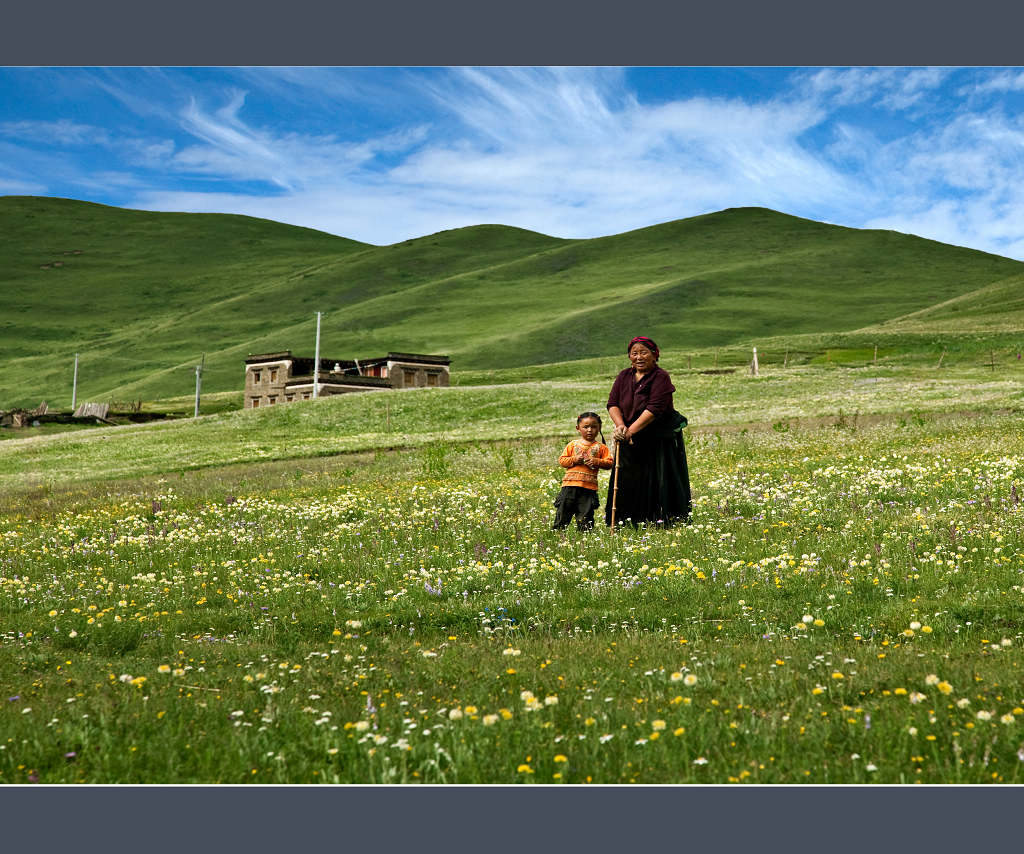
(576, 501)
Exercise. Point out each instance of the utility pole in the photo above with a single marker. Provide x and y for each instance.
(74, 386)
(316, 360)
(199, 383)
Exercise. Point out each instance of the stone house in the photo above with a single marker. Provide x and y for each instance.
(273, 378)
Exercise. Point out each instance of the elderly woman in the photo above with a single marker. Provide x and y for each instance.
(653, 481)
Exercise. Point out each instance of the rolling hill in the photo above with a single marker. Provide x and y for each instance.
(142, 295)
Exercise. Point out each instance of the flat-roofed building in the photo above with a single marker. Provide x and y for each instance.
(276, 378)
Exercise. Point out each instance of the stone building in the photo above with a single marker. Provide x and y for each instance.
(273, 378)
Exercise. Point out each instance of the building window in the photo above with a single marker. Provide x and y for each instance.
(255, 376)
(305, 395)
(409, 377)
(255, 403)
(432, 379)
(289, 397)
(271, 400)
(273, 375)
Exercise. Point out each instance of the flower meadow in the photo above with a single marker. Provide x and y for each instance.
(846, 607)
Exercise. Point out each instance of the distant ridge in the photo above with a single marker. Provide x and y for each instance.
(142, 295)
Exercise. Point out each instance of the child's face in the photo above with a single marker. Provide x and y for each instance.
(588, 428)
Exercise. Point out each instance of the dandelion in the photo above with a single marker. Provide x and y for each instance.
(926, 630)
(658, 725)
(945, 687)
(819, 623)
(589, 722)
(837, 675)
(506, 714)
(690, 679)
(471, 710)
(561, 758)
(678, 731)
(524, 769)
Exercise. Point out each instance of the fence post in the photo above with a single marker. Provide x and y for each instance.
(753, 364)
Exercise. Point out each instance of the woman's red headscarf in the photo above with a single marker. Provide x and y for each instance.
(646, 342)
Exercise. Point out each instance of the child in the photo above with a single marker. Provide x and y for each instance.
(582, 458)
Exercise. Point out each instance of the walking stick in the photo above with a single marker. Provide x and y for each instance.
(615, 485)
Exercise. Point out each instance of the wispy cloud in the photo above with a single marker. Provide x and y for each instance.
(381, 155)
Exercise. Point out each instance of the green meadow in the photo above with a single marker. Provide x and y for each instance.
(367, 589)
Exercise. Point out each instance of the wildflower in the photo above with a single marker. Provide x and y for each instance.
(455, 714)
(984, 715)
(1006, 642)
(506, 714)
(908, 633)
(837, 675)
(912, 730)
(178, 671)
(511, 651)
(871, 767)
(926, 629)
(900, 691)
(604, 739)
(72, 634)
(945, 687)
(164, 668)
(818, 689)
(658, 725)
(819, 623)
(471, 710)
(490, 720)
(700, 760)
(551, 700)
(963, 703)
(526, 696)
(917, 697)
(561, 758)
(676, 677)
(589, 722)
(362, 726)
(524, 769)
(931, 679)
(332, 750)
(915, 625)
(429, 653)
(808, 619)
(690, 679)
(354, 624)
(1008, 718)
(679, 731)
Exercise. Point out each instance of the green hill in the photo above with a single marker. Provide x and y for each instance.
(142, 295)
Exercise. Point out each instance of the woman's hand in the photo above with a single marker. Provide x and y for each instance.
(621, 433)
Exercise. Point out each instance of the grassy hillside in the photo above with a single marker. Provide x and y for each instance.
(149, 293)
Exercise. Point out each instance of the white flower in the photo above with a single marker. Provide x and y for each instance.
(362, 726)
(490, 720)
(455, 714)
(1006, 642)
(690, 679)
(807, 618)
(984, 715)
(871, 767)
(917, 696)
(1008, 718)
(912, 730)
(963, 703)
(604, 739)
(676, 677)
(551, 700)
(700, 760)
(931, 679)
(915, 625)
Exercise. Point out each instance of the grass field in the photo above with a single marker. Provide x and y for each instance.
(367, 589)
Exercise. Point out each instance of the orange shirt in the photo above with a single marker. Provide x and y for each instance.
(583, 475)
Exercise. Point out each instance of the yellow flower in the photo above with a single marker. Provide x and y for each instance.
(900, 691)
(524, 769)
(164, 668)
(679, 730)
(589, 722)
(561, 758)
(819, 623)
(945, 687)
(837, 675)
(505, 714)
(675, 677)
(471, 710)
(658, 724)
(655, 736)
(926, 629)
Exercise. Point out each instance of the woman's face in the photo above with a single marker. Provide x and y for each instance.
(641, 358)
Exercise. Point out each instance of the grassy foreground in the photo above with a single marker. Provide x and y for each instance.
(846, 607)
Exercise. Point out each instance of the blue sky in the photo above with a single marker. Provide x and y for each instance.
(384, 154)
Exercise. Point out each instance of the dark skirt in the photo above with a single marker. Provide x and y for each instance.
(653, 480)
